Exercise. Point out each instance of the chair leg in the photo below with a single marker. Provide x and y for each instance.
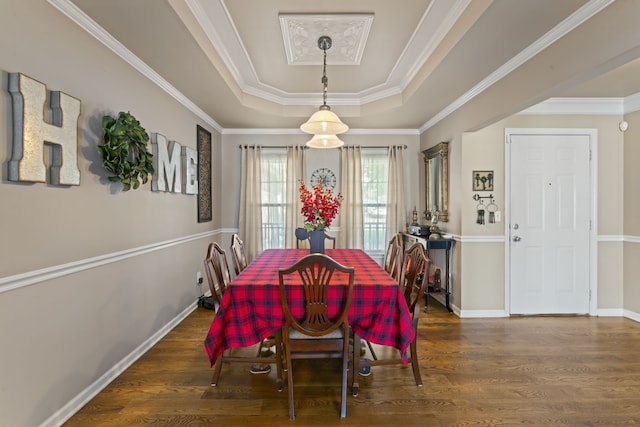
(345, 365)
(279, 362)
(355, 365)
(373, 353)
(260, 348)
(292, 415)
(414, 363)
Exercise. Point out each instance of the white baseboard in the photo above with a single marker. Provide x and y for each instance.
(75, 404)
(631, 315)
(610, 312)
(482, 313)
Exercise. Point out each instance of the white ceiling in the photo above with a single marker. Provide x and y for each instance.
(393, 64)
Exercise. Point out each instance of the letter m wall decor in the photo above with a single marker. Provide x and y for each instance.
(32, 131)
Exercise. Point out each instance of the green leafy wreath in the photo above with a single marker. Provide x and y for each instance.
(124, 151)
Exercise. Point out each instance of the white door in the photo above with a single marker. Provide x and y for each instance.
(549, 223)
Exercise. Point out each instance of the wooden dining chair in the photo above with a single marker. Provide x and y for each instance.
(217, 269)
(302, 235)
(393, 257)
(216, 278)
(316, 336)
(238, 253)
(392, 262)
(332, 239)
(239, 263)
(415, 264)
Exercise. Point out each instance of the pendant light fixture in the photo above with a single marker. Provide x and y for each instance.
(325, 141)
(324, 124)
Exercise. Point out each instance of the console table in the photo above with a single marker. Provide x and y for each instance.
(438, 244)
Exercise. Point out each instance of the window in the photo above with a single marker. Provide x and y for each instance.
(375, 173)
(274, 189)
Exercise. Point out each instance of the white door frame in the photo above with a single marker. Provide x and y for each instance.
(593, 191)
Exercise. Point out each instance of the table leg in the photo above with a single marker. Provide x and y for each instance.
(425, 276)
(447, 283)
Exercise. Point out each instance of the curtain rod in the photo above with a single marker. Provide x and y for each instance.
(374, 146)
(307, 148)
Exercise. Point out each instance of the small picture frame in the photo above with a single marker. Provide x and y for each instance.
(482, 181)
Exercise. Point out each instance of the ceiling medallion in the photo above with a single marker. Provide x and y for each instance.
(349, 32)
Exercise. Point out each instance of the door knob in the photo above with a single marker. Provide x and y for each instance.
(516, 238)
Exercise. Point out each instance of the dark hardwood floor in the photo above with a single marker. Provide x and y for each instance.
(537, 371)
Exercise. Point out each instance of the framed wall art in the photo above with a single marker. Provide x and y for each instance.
(204, 175)
(482, 181)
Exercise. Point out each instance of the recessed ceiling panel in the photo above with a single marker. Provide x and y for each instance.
(348, 32)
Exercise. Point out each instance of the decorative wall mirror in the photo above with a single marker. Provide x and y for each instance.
(436, 162)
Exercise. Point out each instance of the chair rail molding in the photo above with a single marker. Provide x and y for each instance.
(37, 276)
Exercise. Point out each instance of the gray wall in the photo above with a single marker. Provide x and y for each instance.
(92, 276)
(89, 275)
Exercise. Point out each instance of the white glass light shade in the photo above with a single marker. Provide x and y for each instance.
(324, 122)
(325, 141)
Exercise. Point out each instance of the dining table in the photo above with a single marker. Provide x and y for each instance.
(251, 311)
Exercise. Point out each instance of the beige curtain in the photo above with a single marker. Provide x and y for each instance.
(295, 172)
(351, 215)
(396, 205)
(250, 217)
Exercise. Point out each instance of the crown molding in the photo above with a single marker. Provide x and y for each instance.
(560, 30)
(71, 11)
(581, 106)
(632, 103)
(587, 106)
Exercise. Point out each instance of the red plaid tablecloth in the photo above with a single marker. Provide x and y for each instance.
(250, 310)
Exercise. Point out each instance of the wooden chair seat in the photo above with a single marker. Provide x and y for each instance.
(294, 334)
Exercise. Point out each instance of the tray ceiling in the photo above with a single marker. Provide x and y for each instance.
(248, 64)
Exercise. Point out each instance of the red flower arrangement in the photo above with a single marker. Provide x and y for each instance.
(319, 207)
